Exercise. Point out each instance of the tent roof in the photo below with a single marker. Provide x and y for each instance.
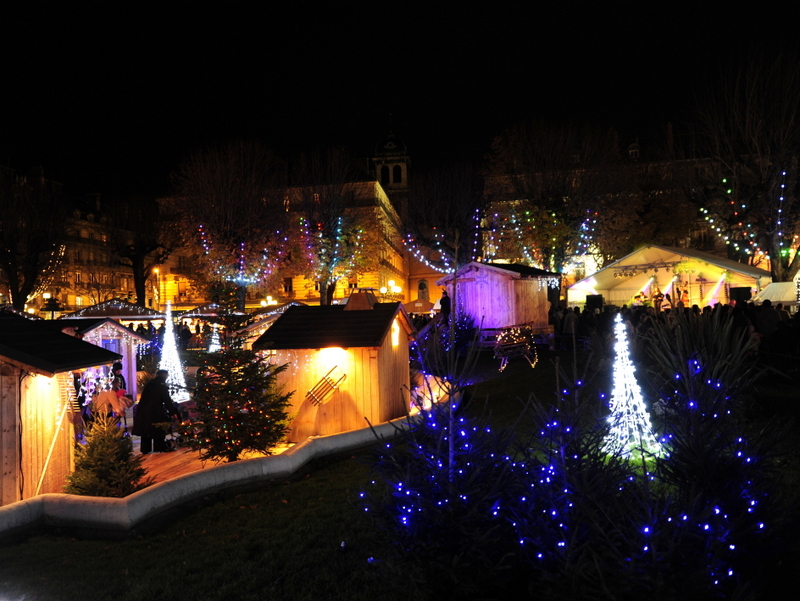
(116, 309)
(778, 292)
(38, 347)
(331, 326)
(652, 257)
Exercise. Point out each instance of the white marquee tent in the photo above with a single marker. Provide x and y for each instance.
(779, 292)
(706, 278)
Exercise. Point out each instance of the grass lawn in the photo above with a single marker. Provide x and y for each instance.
(280, 540)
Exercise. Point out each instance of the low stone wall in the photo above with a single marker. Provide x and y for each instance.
(119, 515)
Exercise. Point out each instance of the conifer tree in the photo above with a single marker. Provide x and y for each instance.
(240, 407)
(105, 465)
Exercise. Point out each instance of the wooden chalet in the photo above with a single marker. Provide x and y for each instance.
(38, 408)
(346, 363)
(500, 295)
(110, 335)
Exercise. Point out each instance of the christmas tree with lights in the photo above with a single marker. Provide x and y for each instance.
(239, 406)
(630, 422)
(171, 362)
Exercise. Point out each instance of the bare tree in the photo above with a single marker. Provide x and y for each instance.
(445, 210)
(32, 214)
(231, 205)
(750, 131)
(548, 184)
(142, 238)
(338, 231)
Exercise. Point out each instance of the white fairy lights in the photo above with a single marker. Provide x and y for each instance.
(171, 362)
(630, 422)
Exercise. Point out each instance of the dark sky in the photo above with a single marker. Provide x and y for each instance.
(111, 98)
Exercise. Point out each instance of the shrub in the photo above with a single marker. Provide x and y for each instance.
(105, 465)
(466, 511)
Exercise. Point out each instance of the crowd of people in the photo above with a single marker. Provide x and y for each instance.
(772, 328)
(188, 337)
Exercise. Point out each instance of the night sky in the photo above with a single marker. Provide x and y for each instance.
(110, 99)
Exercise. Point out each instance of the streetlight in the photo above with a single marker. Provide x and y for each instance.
(51, 305)
(392, 290)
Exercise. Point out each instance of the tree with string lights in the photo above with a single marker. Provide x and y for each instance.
(749, 133)
(239, 406)
(334, 236)
(32, 214)
(562, 196)
(444, 214)
(231, 205)
(547, 184)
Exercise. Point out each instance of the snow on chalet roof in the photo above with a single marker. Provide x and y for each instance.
(85, 325)
(116, 309)
(522, 271)
(207, 310)
(36, 346)
(329, 326)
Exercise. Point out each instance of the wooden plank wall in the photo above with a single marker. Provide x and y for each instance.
(9, 441)
(531, 304)
(395, 376)
(488, 298)
(501, 301)
(346, 407)
(371, 390)
(47, 434)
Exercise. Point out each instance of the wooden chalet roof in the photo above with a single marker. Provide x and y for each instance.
(207, 310)
(524, 270)
(86, 325)
(38, 347)
(331, 326)
(116, 309)
(513, 270)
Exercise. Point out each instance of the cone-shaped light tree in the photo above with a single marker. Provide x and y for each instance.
(172, 362)
(631, 430)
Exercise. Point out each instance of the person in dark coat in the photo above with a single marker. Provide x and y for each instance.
(444, 307)
(155, 406)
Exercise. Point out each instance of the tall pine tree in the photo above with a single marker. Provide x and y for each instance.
(240, 406)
